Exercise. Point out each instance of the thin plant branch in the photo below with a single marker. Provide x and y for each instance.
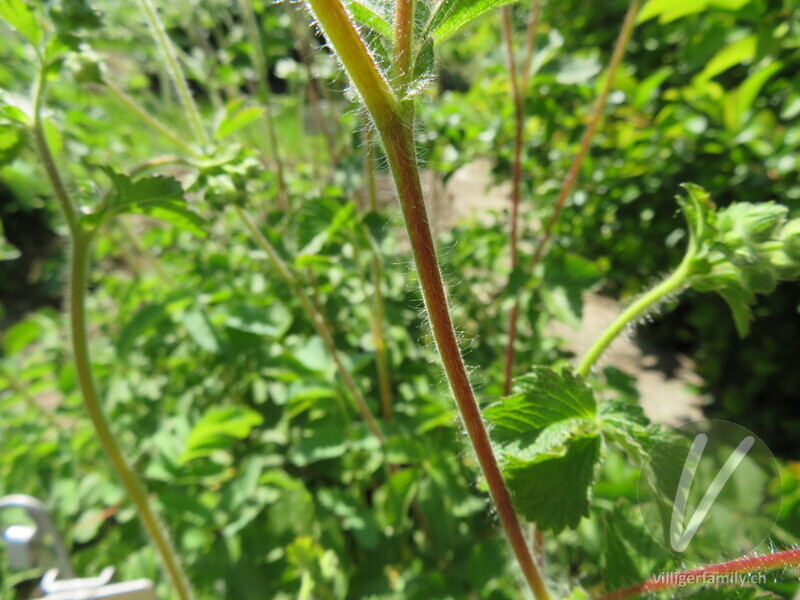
(174, 70)
(317, 320)
(588, 134)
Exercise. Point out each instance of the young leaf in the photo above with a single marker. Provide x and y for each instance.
(699, 213)
(452, 15)
(21, 16)
(372, 17)
(551, 446)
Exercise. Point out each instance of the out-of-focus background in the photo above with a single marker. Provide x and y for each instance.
(219, 388)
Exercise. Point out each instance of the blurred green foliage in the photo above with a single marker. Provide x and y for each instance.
(219, 388)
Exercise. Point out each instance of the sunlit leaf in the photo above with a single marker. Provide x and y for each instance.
(452, 15)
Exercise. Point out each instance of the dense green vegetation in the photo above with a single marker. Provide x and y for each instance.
(260, 347)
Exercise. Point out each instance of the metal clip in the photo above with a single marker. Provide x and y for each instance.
(24, 541)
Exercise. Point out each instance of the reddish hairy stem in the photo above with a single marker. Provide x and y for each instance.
(778, 560)
(588, 134)
(530, 43)
(399, 145)
(395, 125)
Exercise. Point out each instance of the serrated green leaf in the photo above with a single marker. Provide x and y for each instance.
(547, 398)
(149, 189)
(371, 16)
(218, 429)
(21, 16)
(549, 428)
(452, 15)
(156, 196)
(553, 489)
(631, 553)
(174, 213)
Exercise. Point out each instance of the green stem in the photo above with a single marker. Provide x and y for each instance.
(79, 266)
(317, 320)
(130, 480)
(175, 71)
(671, 285)
(64, 201)
(395, 125)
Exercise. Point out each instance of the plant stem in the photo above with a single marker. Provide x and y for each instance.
(399, 143)
(369, 151)
(403, 44)
(395, 126)
(260, 66)
(516, 181)
(130, 480)
(377, 319)
(79, 265)
(530, 44)
(588, 134)
(64, 201)
(384, 380)
(755, 564)
(143, 114)
(175, 71)
(317, 320)
(672, 284)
